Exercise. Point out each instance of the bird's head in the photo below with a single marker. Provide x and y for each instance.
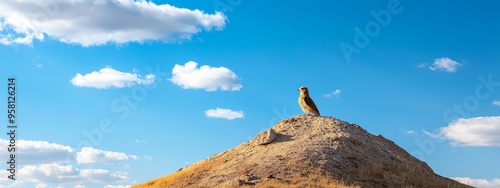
(303, 89)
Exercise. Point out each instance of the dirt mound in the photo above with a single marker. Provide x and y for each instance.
(310, 152)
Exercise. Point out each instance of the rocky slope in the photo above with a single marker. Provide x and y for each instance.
(310, 152)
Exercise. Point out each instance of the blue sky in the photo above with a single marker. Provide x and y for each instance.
(116, 93)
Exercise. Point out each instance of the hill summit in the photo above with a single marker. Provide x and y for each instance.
(309, 151)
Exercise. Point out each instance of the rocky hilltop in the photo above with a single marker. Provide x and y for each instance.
(309, 151)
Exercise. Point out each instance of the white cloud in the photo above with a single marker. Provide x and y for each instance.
(41, 186)
(412, 132)
(5, 182)
(3, 176)
(108, 77)
(479, 131)
(224, 113)
(133, 157)
(496, 103)
(140, 141)
(54, 173)
(445, 64)
(97, 22)
(147, 157)
(79, 186)
(481, 183)
(89, 155)
(433, 135)
(45, 164)
(103, 176)
(43, 152)
(39, 152)
(205, 77)
(421, 65)
(335, 93)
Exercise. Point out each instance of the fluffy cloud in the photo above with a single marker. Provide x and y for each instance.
(445, 64)
(496, 103)
(45, 164)
(43, 152)
(334, 93)
(90, 155)
(205, 77)
(3, 176)
(97, 22)
(108, 77)
(224, 113)
(479, 131)
(39, 152)
(54, 173)
(479, 182)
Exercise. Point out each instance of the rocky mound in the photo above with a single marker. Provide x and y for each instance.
(309, 152)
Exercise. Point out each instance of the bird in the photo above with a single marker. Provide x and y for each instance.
(306, 103)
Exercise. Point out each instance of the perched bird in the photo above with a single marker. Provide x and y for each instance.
(306, 103)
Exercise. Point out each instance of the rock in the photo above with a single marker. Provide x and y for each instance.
(241, 182)
(251, 178)
(267, 137)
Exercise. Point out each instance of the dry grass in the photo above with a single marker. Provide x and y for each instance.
(182, 178)
(399, 175)
(300, 182)
(185, 177)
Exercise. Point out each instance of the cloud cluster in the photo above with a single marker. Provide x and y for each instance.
(97, 22)
(55, 173)
(224, 113)
(444, 64)
(38, 152)
(189, 76)
(44, 163)
(42, 152)
(90, 155)
(479, 131)
(495, 183)
(108, 77)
